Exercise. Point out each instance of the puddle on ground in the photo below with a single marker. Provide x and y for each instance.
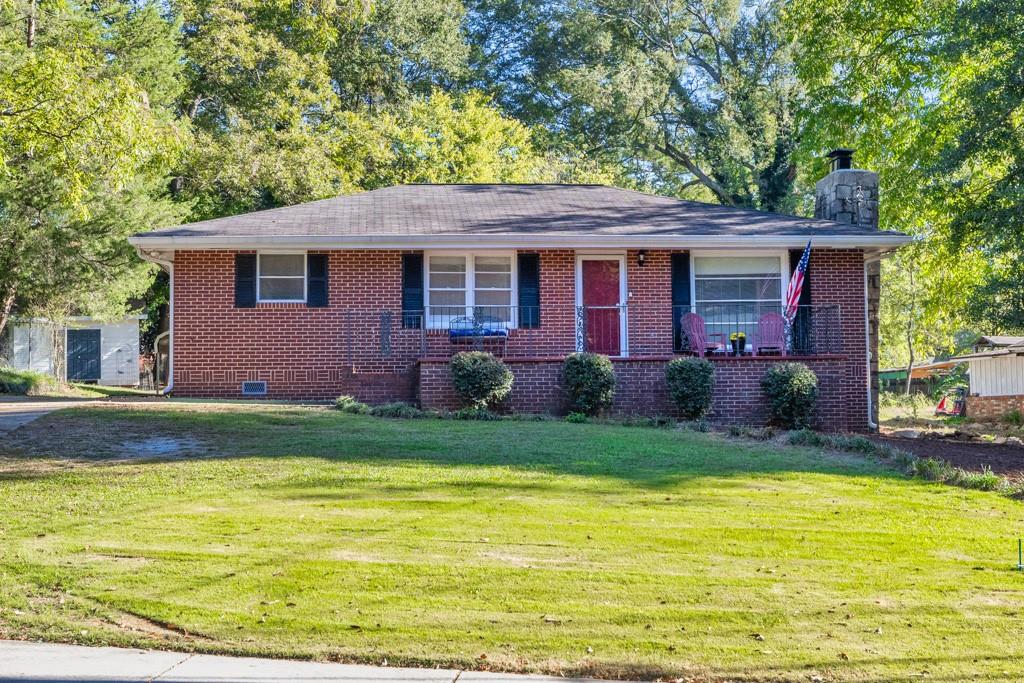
(160, 446)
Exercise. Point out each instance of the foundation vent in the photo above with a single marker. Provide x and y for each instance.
(254, 388)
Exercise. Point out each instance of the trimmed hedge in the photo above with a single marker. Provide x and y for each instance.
(480, 379)
(792, 392)
(589, 382)
(691, 383)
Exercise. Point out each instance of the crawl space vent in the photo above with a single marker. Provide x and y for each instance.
(254, 388)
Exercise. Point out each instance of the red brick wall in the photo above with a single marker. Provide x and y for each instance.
(319, 353)
(641, 389)
(837, 277)
(302, 353)
(993, 407)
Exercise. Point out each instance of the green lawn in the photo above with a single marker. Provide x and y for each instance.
(513, 545)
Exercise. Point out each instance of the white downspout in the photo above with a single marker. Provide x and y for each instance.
(867, 344)
(169, 267)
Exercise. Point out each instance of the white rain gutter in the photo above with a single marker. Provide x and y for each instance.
(167, 265)
(509, 241)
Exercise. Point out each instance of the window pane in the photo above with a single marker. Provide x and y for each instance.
(282, 288)
(448, 280)
(446, 298)
(493, 264)
(447, 264)
(443, 316)
(736, 265)
(490, 298)
(493, 280)
(770, 289)
(283, 264)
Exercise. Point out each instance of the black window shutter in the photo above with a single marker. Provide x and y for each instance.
(412, 291)
(801, 331)
(316, 280)
(245, 280)
(529, 290)
(680, 294)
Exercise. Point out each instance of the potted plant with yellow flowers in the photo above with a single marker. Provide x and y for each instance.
(739, 342)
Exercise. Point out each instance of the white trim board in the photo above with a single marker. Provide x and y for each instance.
(512, 323)
(305, 277)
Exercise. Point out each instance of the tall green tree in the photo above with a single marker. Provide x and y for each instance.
(689, 93)
(84, 149)
(269, 84)
(980, 172)
(929, 92)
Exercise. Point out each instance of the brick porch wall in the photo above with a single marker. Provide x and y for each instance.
(641, 388)
(993, 407)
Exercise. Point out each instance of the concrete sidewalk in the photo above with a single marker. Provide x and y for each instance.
(23, 661)
(16, 411)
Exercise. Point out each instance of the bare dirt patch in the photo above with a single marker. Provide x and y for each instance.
(78, 435)
(969, 455)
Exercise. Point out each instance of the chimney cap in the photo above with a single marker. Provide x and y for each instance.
(841, 158)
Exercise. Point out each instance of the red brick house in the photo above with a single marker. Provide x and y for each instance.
(370, 294)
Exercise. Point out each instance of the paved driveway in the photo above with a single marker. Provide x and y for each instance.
(59, 663)
(16, 411)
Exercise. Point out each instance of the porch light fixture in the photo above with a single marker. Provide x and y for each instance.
(641, 257)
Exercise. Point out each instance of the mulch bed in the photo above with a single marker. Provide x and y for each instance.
(968, 455)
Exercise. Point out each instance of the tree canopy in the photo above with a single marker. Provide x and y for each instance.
(121, 115)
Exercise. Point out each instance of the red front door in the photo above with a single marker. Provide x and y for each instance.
(600, 297)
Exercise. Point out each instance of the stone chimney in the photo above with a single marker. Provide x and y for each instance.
(847, 194)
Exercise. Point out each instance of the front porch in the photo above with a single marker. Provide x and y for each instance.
(640, 339)
(619, 331)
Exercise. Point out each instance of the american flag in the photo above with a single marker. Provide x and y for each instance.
(796, 285)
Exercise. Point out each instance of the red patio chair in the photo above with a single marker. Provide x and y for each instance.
(770, 334)
(697, 337)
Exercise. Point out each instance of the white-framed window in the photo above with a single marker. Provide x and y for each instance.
(731, 291)
(480, 287)
(281, 277)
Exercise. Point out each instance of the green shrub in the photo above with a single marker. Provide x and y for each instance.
(479, 378)
(348, 404)
(792, 391)
(695, 426)
(476, 414)
(986, 480)
(25, 382)
(1014, 418)
(691, 382)
(397, 409)
(755, 433)
(577, 418)
(530, 417)
(589, 382)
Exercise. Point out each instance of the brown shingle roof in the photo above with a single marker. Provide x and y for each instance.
(477, 210)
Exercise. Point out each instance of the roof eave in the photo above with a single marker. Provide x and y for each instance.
(880, 241)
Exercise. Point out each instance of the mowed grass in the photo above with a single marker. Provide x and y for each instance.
(548, 547)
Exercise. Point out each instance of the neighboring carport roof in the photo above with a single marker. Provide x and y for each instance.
(999, 340)
(420, 213)
(1016, 349)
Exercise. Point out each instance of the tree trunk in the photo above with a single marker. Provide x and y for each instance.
(6, 306)
(910, 365)
(30, 25)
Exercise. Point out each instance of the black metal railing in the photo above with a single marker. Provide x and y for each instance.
(812, 330)
(370, 337)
